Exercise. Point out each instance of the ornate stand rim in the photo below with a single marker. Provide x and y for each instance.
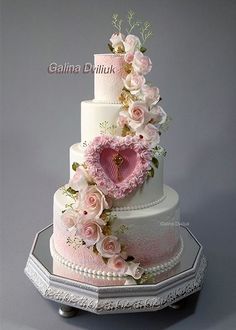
(117, 299)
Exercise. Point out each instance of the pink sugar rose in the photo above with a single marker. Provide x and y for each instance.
(131, 43)
(108, 246)
(158, 115)
(93, 202)
(134, 82)
(90, 232)
(150, 94)
(138, 112)
(129, 57)
(150, 134)
(70, 219)
(145, 155)
(141, 63)
(134, 270)
(117, 41)
(118, 264)
(78, 181)
(83, 215)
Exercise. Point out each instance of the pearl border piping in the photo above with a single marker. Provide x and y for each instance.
(161, 268)
(139, 207)
(106, 102)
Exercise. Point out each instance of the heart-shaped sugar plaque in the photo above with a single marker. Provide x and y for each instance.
(118, 164)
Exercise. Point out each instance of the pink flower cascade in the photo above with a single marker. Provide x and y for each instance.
(94, 187)
(146, 96)
(85, 222)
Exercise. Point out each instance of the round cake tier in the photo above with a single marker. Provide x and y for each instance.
(108, 74)
(151, 235)
(149, 194)
(98, 118)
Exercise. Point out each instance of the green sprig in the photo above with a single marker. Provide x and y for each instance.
(67, 192)
(117, 22)
(145, 31)
(132, 21)
(106, 128)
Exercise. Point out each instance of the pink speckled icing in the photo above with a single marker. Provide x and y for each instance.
(82, 256)
(108, 86)
(149, 250)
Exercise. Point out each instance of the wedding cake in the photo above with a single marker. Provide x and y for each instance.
(115, 217)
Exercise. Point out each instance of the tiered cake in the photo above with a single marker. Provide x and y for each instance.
(115, 217)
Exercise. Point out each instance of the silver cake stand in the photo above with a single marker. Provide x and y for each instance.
(74, 290)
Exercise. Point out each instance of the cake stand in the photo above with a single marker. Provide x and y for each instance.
(103, 295)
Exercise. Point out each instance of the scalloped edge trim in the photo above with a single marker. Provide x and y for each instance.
(160, 268)
(139, 207)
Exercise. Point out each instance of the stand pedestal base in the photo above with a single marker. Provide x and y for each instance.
(67, 311)
(73, 290)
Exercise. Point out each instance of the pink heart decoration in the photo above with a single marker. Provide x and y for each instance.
(118, 164)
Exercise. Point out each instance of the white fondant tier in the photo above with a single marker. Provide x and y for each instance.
(98, 118)
(108, 74)
(151, 235)
(149, 194)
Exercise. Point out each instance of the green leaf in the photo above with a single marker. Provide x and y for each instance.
(95, 249)
(110, 47)
(155, 162)
(151, 172)
(130, 258)
(105, 260)
(143, 49)
(71, 191)
(75, 166)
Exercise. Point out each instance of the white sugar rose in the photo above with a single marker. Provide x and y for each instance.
(131, 43)
(79, 181)
(130, 281)
(150, 133)
(90, 232)
(134, 270)
(141, 63)
(134, 82)
(117, 42)
(118, 264)
(93, 202)
(158, 115)
(129, 57)
(108, 246)
(70, 219)
(150, 94)
(138, 112)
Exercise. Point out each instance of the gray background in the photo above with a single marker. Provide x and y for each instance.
(193, 52)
